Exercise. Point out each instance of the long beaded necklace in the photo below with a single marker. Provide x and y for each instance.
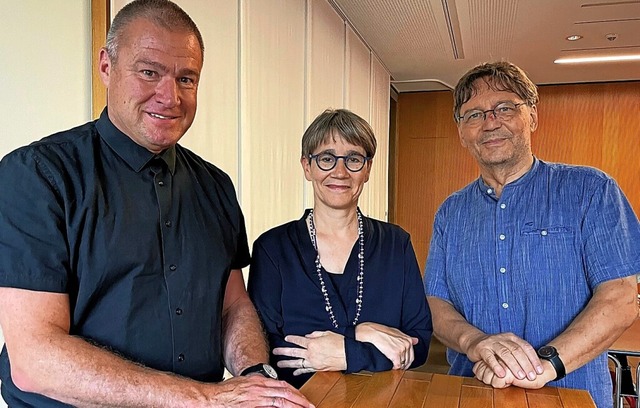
(323, 287)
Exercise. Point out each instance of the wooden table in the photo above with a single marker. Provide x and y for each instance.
(628, 344)
(409, 389)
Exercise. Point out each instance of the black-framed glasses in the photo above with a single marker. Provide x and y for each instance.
(326, 161)
(502, 112)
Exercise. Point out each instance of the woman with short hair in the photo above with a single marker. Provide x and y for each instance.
(336, 290)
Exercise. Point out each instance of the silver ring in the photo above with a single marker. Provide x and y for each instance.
(302, 363)
(402, 362)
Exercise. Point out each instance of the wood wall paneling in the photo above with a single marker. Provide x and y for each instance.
(588, 124)
(100, 23)
(595, 125)
(622, 149)
(431, 163)
(566, 116)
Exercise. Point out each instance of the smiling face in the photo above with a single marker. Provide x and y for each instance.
(496, 143)
(152, 86)
(338, 188)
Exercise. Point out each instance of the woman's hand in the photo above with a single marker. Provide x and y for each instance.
(394, 344)
(320, 351)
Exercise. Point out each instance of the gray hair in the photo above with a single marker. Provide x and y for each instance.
(339, 122)
(163, 13)
(499, 76)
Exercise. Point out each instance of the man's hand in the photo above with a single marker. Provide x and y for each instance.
(318, 351)
(256, 391)
(489, 377)
(505, 352)
(394, 344)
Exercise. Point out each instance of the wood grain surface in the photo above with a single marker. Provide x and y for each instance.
(409, 389)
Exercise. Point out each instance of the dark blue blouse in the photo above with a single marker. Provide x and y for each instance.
(284, 286)
(142, 244)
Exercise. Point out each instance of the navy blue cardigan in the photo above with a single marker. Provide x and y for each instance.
(285, 289)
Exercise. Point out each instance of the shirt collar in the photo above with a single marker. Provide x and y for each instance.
(136, 156)
(526, 177)
(485, 188)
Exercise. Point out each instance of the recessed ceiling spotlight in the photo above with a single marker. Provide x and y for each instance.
(574, 37)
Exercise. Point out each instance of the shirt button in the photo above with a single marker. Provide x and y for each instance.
(161, 183)
(178, 311)
(502, 237)
(489, 191)
(503, 270)
(505, 305)
(181, 357)
(543, 233)
(173, 267)
(503, 206)
(167, 223)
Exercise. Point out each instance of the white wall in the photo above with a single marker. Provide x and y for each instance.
(270, 67)
(45, 73)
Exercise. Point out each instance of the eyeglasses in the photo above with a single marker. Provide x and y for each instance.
(502, 112)
(354, 162)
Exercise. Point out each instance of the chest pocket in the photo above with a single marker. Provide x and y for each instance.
(556, 231)
(549, 251)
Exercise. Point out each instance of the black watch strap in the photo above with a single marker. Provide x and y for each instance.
(261, 368)
(550, 354)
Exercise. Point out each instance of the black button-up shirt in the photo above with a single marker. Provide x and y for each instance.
(142, 243)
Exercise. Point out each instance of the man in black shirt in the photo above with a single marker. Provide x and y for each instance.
(121, 251)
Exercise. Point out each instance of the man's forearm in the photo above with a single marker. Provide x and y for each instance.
(73, 371)
(243, 339)
(500, 351)
(46, 360)
(450, 327)
(611, 310)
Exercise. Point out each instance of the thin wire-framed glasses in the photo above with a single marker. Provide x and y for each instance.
(502, 112)
(326, 161)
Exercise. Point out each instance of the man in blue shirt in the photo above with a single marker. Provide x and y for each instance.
(531, 268)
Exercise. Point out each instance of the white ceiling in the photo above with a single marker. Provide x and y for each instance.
(417, 42)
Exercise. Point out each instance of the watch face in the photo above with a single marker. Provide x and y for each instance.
(270, 371)
(547, 351)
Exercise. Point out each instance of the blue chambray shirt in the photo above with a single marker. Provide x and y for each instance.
(528, 261)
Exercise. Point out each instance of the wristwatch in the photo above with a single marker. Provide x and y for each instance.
(261, 368)
(550, 354)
